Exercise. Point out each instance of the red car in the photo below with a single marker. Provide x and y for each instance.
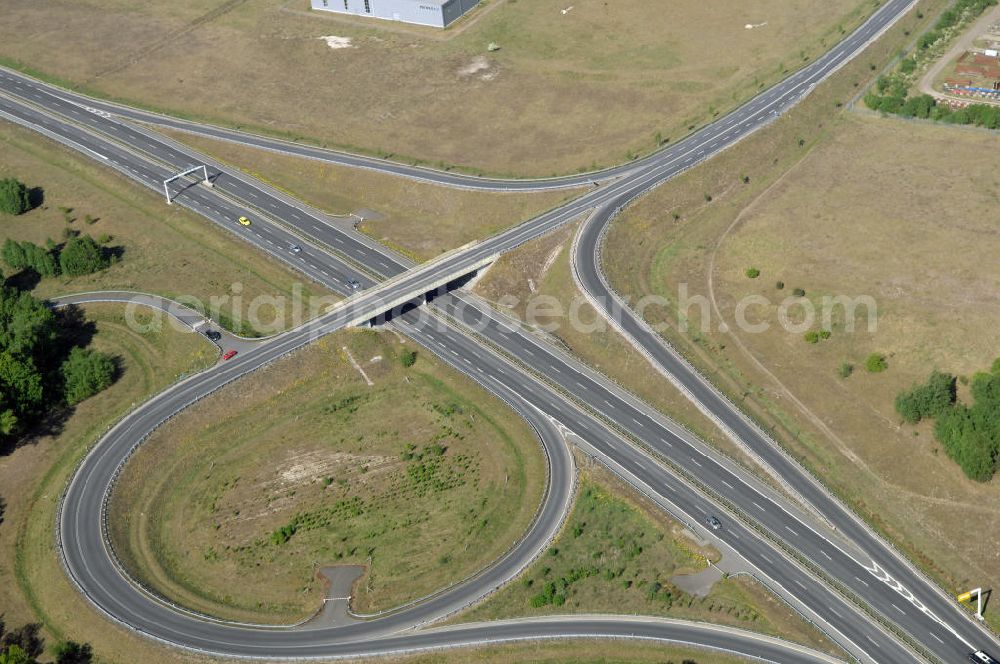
(229, 354)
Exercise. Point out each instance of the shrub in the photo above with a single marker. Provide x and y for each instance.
(752, 273)
(14, 197)
(85, 373)
(928, 400)
(71, 652)
(408, 358)
(845, 369)
(798, 292)
(812, 337)
(824, 334)
(967, 442)
(780, 285)
(283, 534)
(82, 255)
(13, 255)
(876, 363)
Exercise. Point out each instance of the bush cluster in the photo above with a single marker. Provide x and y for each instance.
(29, 256)
(928, 400)
(33, 376)
(969, 434)
(79, 255)
(85, 373)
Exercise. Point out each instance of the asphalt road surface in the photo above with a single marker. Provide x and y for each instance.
(156, 163)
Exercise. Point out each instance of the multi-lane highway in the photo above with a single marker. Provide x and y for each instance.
(628, 434)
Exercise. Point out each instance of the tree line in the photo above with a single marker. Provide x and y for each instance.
(42, 365)
(970, 434)
(81, 254)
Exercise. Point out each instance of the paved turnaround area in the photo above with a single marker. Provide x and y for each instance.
(832, 575)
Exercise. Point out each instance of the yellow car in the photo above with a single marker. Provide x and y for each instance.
(244, 221)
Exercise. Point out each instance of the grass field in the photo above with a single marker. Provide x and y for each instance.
(591, 87)
(418, 219)
(619, 555)
(897, 211)
(421, 477)
(33, 585)
(166, 250)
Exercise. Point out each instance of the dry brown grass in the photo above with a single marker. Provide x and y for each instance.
(420, 220)
(565, 92)
(898, 211)
(167, 250)
(199, 528)
(910, 224)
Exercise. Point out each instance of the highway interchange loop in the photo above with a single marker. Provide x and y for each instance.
(847, 579)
